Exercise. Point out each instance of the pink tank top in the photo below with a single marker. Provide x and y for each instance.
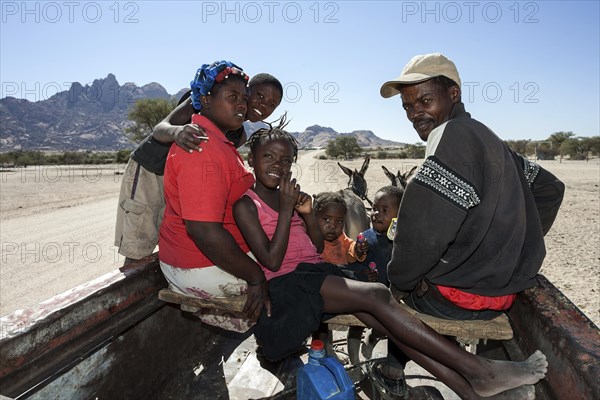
(300, 248)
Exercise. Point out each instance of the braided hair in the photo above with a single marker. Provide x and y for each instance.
(265, 135)
(325, 199)
(208, 75)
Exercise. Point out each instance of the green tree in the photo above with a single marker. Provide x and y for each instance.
(415, 150)
(574, 149)
(346, 146)
(558, 138)
(591, 145)
(145, 114)
(519, 146)
(122, 156)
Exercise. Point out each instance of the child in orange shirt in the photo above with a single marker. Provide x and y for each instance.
(330, 210)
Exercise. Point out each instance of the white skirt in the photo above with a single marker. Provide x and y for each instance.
(206, 283)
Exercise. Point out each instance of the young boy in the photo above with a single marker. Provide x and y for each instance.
(141, 201)
(385, 208)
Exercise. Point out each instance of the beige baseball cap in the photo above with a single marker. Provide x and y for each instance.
(419, 69)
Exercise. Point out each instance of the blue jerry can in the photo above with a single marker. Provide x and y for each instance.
(323, 377)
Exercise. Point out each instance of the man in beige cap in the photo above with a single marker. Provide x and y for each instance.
(471, 226)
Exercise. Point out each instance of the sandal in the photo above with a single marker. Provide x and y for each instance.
(395, 387)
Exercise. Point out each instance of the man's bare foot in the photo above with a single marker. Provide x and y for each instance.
(525, 392)
(500, 376)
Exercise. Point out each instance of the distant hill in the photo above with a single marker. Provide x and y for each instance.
(93, 117)
(318, 136)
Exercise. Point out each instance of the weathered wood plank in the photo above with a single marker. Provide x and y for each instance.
(467, 331)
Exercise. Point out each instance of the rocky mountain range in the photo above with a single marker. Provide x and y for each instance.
(93, 117)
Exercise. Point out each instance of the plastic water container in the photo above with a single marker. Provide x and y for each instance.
(323, 377)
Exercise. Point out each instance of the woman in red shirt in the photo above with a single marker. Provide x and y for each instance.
(202, 252)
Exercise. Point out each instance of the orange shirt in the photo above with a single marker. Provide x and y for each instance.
(341, 251)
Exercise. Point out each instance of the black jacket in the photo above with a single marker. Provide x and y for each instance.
(474, 215)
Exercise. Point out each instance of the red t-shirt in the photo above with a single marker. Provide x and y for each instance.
(201, 186)
(476, 302)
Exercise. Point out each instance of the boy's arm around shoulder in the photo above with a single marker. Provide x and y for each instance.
(176, 127)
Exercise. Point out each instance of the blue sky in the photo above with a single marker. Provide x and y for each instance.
(528, 68)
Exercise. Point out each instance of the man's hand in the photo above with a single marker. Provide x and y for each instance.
(258, 297)
(190, 136)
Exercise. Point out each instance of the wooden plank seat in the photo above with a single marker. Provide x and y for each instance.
(467, 333)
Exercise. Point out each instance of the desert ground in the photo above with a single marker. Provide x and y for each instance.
(57, 226)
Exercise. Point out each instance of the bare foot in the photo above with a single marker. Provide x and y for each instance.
(525, 392)
(500, 376)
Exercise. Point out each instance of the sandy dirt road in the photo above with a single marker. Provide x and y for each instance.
(56, 230)
(45, 254)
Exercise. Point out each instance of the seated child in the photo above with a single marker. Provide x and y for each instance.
(303, 289)
(330, 210)
(385, 208)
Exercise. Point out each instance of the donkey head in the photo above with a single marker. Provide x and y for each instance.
(399, 179)
(357, 181)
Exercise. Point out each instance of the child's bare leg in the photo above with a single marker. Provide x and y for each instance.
(486, 377)
(353, 339)
(460, 385)
(452, 379)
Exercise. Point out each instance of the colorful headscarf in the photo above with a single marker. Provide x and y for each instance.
(207, 75)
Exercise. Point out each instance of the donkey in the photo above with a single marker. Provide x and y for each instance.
(399, 179)
(357, 220)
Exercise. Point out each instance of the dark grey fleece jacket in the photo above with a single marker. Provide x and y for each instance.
(475, 215)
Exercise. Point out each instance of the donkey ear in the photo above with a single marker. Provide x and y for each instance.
(390, 176)
(346, 170)
(365, 165)
(402, 182)
(412, 171)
